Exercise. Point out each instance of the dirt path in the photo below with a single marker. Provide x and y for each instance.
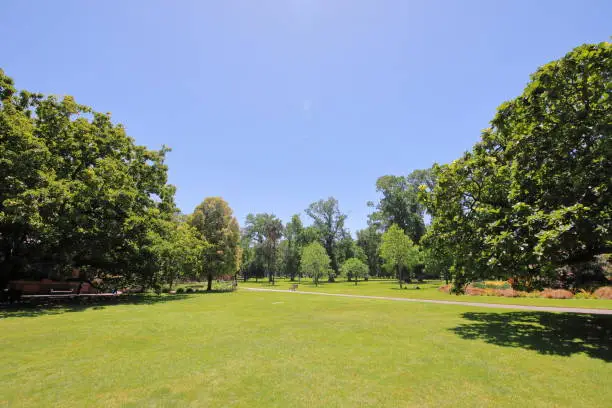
(451, 302)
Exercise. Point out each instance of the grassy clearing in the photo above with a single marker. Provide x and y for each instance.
(427, 291)
(250, 349)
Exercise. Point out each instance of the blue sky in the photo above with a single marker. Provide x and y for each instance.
(276, 104)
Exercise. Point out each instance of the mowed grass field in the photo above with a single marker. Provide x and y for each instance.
(265, 349)
(428, 290)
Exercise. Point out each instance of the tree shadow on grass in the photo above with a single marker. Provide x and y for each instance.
(561, 334)
(52, 307)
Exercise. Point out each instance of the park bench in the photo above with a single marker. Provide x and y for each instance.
(61, 292)
(293, 287)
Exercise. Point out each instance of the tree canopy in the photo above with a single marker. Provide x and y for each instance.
(216, 224)
(354, 269)
(536, 192)
(328, 220)
(315, 262)
(77, 192)
(398, 251)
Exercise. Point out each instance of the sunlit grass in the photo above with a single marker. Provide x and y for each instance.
(428, 290)
(266, 349)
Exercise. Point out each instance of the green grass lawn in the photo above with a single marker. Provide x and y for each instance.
(430, 290)
(278, 349)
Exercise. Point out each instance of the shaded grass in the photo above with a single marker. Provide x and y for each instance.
(428, 290)
(276, 349)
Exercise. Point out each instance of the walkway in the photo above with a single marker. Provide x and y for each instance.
(451, 302)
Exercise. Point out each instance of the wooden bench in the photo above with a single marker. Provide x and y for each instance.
(61, 292)
(293, 287)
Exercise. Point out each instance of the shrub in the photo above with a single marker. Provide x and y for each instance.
(604, 292)
(180, 290)
(506, 292)
(584, 294)
(556, 294)
(445, 288)
(492, 285)
(472, 291)
(189, 290)
(165, 290)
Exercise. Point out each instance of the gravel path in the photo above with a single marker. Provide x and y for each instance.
(451, 302)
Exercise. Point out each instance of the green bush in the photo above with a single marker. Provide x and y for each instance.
(180, 290)
(189, 290)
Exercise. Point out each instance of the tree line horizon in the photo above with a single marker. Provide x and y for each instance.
(530, 202)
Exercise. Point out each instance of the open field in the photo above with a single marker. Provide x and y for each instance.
(390, 288)
(277, 349)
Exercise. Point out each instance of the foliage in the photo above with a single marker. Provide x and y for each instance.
(315, 262)
(265, 231)
(400, 203)
(556, 294)
(294, 242)
(604, 292)
(368, 240)
(178, 252)
(534, 194)
(398, 251)
(584, 294)
(354, 269)
(328, 221)
(214, 221)
(77, 192)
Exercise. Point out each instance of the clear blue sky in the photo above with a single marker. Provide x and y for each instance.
(276, 104)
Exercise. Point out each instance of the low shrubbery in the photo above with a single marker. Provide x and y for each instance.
(503, 289)
(556, 294)
(604, 292)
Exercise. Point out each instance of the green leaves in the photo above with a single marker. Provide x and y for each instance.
(536, 191)
(355, 269)
(215, 224)
(398, 251)
(315, 262)
(77, 192)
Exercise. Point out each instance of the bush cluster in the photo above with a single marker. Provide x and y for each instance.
(492, 288)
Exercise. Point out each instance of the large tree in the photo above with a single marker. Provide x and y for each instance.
(328, 220)
(535, 193)
(294, 238)
(398, 251)
(178, 251)
(400, 203)
(368, 240)
(265, 231)
(76, 191)
(217, 226)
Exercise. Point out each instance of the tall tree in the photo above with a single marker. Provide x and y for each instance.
(266, 231)
(294, 236)
(178, 252)
(398, 251)
(329, 221)
(76, 191)
(534, 194)
(315, 262)
(217, 226)
(400, 203)
(368, 240)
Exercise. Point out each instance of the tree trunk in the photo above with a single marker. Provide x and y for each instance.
(399, 275)
(210, 278)
(355, 281)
